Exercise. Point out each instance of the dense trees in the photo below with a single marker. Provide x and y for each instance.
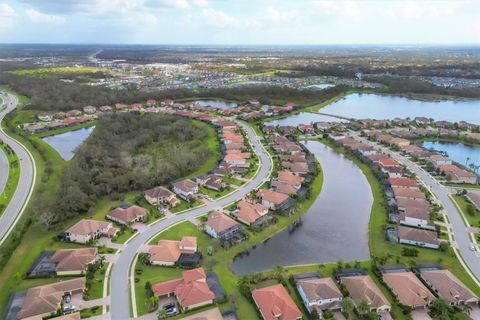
(127, 152)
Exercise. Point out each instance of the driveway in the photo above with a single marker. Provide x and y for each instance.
(420, 315)
(120, 292)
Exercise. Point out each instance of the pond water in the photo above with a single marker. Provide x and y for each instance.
(361, 106)
(66, 143)
(335, 227)
(303, 117)
(456, 151)
(220, 104)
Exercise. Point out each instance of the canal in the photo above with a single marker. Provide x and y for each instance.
(334, 228)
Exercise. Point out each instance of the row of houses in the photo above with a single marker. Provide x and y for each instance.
(418, 122)
(440, 163)
(412, 209)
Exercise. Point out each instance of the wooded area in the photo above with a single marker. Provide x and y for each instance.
(127, 152)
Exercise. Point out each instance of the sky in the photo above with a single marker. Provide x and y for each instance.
(248, 22)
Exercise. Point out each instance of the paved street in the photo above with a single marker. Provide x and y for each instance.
(120, 277)
(3, 170)
(27, 176)
(462, 239)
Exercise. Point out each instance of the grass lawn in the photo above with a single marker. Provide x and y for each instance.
(123, 235)
(184, 205)
(216, 194)
(90, 312)
(13, 176)
(233, 181)
(462, 203)
(462, 185)
(96, 289)
(380, 247)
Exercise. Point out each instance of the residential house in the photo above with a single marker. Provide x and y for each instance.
(160, 196)
(212, 182)
(399, 142)
(409, 290)
(474, 197)
(320, 294)
(418, 237)
(128, 215)
(448, 286)
(251, 214)
(191, 290)
(186, 189)
(438, 160)
(275, 303)
(220, 226)
(45, 117)
(210, 314)
(42, 301)
(272, 199)
(363, 288)
(306, 128)
(422, 121)
(408, 193)
(86, 230)
(89, 109)
(169, 252)
(70, 262)
(403, 183)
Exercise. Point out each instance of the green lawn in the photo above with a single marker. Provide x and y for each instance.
(184, 205)
(13, 176)
(380, 247)
(96, 290)
(216, 194)
(462, 203)
(233, 181)
(123, 235)
(90, 312)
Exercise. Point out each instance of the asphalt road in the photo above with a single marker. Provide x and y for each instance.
(119, 284)
(3, 170)
(27, 175)
(462, 238)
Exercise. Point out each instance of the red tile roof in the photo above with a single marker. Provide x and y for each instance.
(275, 303)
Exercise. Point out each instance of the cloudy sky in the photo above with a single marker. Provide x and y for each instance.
(240, 21)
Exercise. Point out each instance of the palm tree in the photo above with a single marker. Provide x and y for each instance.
(466, 161)
(347, 307)
(363, 307)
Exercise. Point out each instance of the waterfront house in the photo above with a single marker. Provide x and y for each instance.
(275, 303)
(418, 237)
(409, 290)
(220, 226)
(251, 214)
(320, 294)
(446, 285)
(363, 288)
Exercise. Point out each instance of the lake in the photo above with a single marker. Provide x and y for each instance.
(335, 227)
(361, 106)
(66, 143)
(456, 151)
(302, 117)
(220, 104)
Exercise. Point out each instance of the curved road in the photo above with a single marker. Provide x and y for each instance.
(442, 193)
(120, 276)
(27, 174)
(4, 169)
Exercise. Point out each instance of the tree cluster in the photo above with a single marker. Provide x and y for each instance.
(128, 152)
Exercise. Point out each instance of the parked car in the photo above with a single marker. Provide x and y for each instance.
(69, 308)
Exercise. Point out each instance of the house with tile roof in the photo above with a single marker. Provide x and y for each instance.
(73, 261)
(409, 290)
(169, 252)
(363, 288)
(220, 226)
(160, 196)
(86, 229)
(319, 294)
(129, 215)
(191, 290)
(275, 303)
(44, 300)
(251, 214)
(418, 237)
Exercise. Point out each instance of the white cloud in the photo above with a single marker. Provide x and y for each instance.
(275, 15)
(219, 19)
(6, 11)
(416, 10)
(37, 16)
